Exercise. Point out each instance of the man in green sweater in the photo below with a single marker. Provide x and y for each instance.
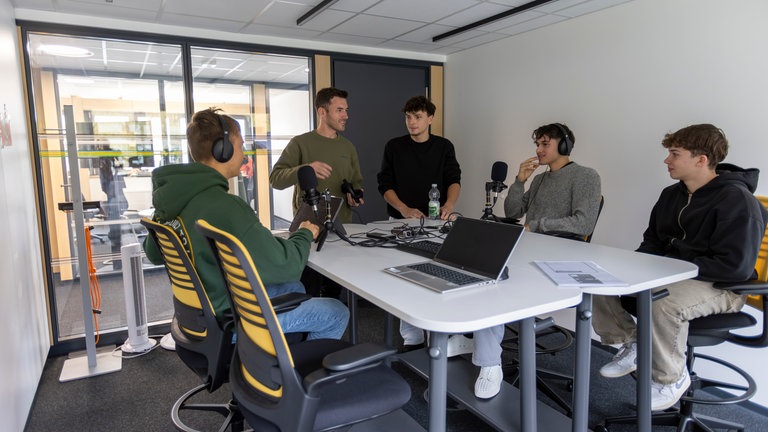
(182, 194)
(333, 157)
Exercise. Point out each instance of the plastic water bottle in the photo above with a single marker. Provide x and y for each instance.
(434, 202)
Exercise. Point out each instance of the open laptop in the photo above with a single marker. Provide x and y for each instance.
(475, 252)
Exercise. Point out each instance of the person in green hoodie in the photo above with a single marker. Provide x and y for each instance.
(184, 193)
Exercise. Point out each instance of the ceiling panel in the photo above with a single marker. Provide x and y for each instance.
(421, 10)
(409, 25)
(232, 10)
(378, 27)
(327, 20)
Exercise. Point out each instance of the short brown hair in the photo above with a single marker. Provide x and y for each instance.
(204, 129)
(324, 96)
(701, 139)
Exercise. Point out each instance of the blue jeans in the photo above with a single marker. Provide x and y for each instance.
(321, 318)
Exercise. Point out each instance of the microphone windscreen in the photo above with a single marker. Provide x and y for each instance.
(499, 171)
(307, 178)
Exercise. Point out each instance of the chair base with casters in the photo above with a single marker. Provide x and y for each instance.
(544, 327)
(233, 418)
(199, 363)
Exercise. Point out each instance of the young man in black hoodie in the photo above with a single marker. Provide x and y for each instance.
(709, 218)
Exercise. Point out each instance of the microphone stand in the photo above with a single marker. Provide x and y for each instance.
(488, 210)
(328, 225)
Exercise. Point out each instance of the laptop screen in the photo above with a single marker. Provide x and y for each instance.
(479, 246)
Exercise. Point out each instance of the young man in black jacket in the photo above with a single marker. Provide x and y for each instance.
(709, 218)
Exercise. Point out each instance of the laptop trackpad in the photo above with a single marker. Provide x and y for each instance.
(418, 276)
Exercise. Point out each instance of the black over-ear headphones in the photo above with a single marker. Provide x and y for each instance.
(565, 146)
(222, 149)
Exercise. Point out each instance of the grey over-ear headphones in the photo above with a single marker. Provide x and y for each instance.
(222, 149)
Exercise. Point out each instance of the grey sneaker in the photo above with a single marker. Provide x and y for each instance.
(624, 362)
(664, 396)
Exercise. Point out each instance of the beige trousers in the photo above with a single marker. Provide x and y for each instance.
(687, 300)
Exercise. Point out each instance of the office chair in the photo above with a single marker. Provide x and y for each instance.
(203, 341)
(709, 331)
(558, 338)
(314, 385)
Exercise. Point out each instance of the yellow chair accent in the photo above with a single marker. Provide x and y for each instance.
(314, 385)
(203, 341)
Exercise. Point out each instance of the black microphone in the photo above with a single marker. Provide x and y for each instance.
(498, 175)
(308, 184)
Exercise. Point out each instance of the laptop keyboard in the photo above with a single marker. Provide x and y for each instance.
(445, 273)
(425, 248)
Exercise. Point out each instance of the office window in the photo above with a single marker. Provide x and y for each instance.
(129, 108)
(268, 95)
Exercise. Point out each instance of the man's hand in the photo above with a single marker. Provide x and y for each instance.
(412, 213)
(445, 211)
(352, 203)
(314, 229)
(322, 169)
(527, 167)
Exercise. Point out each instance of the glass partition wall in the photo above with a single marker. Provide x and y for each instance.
(130, 101)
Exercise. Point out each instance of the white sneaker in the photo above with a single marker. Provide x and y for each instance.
(624, 362)
(168, 343)
(664, 396)
(488, 383)
(459, 344)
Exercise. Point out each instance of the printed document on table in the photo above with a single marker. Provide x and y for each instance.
(578, 273)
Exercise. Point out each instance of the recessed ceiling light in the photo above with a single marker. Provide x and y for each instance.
(65, 51)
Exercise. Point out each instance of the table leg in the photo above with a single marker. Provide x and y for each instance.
(438, 380)
(644, 356)
(527, 380)
(582, 364)
(352, 305)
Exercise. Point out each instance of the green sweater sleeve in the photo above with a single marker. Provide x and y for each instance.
(284, 173)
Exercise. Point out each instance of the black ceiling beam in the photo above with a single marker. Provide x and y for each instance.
(314, 11)
(484, 21)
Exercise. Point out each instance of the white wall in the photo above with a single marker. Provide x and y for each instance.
(23, 315)
(620, 78)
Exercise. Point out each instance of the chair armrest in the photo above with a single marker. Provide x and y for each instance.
(288, 301)
(753, 287)
(349, 361)
(356, 356)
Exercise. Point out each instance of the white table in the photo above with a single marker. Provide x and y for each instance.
(526, 294)
(642, 272)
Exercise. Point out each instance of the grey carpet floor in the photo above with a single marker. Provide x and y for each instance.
(140, 396)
